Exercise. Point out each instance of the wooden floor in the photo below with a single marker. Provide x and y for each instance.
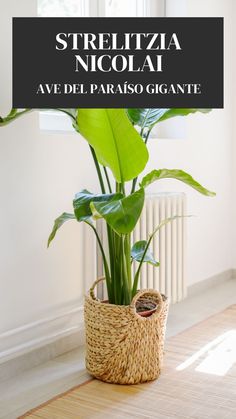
(197, 382)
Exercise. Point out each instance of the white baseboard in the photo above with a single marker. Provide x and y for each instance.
(38, 334)
(204, 285)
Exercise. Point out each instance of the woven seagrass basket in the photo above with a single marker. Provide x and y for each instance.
(121, 346)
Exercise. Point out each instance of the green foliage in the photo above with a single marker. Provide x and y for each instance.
(146, 249)
(121, 215)
(16, 113)
(138, 250)
(83, 200)
(170, 113)
(13, 114)
(175, 174)
(115, 144)
(147, 118)
(115, 141)
(58, 223)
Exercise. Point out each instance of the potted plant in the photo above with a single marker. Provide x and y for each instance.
(124, 335)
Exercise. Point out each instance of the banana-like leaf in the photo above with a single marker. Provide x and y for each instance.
(174, 174)
(83, 199)
(116, 142)
(138, 250)
(148, 117)
(122, 215)
(58, 223)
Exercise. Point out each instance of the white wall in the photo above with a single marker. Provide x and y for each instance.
(207, 154)
(234, 133)
(40, 173)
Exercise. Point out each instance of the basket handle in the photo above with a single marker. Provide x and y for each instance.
(135, 298)
(91, 291)
(148, 291)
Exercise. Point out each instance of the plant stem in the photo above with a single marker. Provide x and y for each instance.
(109, 275)
(128, 258)
(107, 179)
(134, 185)
(110, 241)
(118, 278)
(111, 255)
(135, 180)
(118, 186)
(12, 116)
(147, 136)
(98, 169)
(135, 284)
(117, 273)
(106, 268)
(125, 280)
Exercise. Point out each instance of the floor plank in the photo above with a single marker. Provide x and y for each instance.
(198, 382)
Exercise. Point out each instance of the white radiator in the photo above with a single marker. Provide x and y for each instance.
(168, 247)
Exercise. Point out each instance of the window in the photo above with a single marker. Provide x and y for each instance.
(106, 8)
(131, 8)
(117, 8)
(56, 121)
(63, 8)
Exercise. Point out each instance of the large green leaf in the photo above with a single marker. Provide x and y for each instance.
(147, 118)
(174, 174)
(122, 215)
(58, 223)
(115, 141)
(83, 199)
(138, 250)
